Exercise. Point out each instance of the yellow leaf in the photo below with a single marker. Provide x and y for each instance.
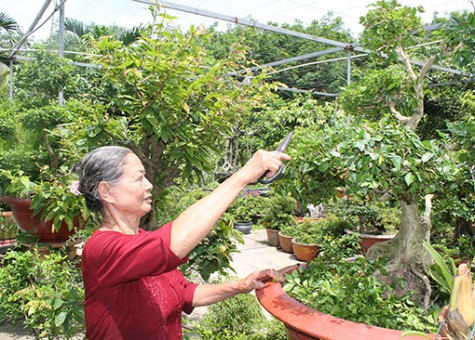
(186, 107)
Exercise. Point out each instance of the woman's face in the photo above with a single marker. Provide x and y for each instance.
(133, 193)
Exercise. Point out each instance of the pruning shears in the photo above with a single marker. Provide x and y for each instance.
(281, 148)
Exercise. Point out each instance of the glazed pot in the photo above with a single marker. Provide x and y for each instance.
(304, 252)
(243, 226)
(286, 243)
(273, 237)
(304, 323)
(28, 222)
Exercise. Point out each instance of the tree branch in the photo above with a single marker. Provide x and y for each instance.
(397, 114)
(407, 61)
(428, 208)
(143, 157)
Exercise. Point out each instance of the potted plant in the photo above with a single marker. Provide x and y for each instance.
(373, 222)
(282, 212)
(247, 210)
(310, 234)
(324, 299)
(305, 323)
(46, 209)
(287, 234)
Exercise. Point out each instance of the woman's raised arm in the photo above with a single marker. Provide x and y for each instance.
(196, 222)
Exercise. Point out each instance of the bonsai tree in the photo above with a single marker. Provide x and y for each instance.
(250, 208)
(386, 157)
(282, 212)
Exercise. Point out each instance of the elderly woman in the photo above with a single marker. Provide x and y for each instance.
(133, 287)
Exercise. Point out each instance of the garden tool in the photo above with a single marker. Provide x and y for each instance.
(281, 148)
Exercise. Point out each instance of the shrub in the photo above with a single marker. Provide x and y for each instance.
(282, 212)
(343, 286)
(237, 318)
(46, 292)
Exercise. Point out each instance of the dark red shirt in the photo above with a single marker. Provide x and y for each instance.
(133, 287)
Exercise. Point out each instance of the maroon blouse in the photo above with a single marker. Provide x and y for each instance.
(133, 287)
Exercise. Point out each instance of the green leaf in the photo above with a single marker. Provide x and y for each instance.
(57, 303)
(415, 333)
(59, 319)
(409, 178)
(427, 156)
(439, 260)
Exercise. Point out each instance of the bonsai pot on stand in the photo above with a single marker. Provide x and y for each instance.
(28, 222)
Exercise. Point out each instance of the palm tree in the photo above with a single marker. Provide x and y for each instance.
(9, 30)
(76, 30)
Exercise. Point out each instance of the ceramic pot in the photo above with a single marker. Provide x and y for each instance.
(304, 252)
(286, 243)
(273, 237)
(243, 226)
(32, 224)
(367, 240)
(304, 323)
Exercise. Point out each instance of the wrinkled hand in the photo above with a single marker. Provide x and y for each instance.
(261, 162)
(256, 280)
(444, 333)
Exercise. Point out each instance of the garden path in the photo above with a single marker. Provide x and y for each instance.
(255, 254)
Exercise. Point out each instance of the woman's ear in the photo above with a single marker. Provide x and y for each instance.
(105, 191)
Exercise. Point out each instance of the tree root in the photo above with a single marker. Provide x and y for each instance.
(426, 281)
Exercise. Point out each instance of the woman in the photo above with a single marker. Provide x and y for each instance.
(133, 287)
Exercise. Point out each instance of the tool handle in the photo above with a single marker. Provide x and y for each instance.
(264, 180)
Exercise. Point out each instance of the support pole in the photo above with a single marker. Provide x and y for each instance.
(11, 80)
(61, 45)
(348, 81)
(348, 69)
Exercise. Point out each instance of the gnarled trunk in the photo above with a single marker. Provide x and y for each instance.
(408, 259)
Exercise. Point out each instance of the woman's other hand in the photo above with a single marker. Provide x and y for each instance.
(256, 280)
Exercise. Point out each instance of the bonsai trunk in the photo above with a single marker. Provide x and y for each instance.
(408, 259)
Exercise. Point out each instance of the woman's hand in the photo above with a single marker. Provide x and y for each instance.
(256, 280)
(261, 162)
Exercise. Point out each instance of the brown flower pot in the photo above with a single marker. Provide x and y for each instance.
(304, 323)
(32, 224)
(304, 252)
(286, 243)
(273, 237)
(367, 241)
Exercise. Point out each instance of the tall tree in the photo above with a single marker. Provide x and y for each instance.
(173, 104)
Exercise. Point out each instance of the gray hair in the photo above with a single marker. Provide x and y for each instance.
(104, 164)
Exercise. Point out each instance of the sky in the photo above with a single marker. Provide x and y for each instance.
(129, 13)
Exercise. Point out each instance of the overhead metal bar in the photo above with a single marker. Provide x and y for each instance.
(70, 62)
(31, 29)
(318, 62)
(289, 89)
(289, 60)
(349, 46)
(302, 57)
(241, 21)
